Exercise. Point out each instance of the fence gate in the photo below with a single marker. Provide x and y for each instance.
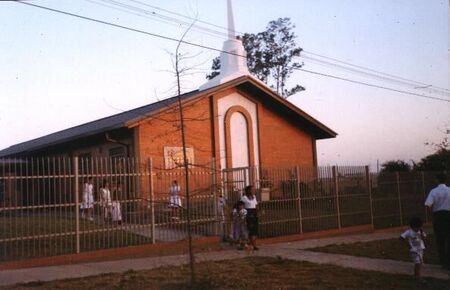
(234, 182)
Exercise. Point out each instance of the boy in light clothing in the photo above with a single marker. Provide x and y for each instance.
(415, 236)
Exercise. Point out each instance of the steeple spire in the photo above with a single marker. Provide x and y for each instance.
(231, 33)
(233, 59)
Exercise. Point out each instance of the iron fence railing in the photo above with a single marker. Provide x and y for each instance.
(44, 209)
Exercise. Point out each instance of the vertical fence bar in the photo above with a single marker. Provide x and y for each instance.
(397, 178)
(297, 178)
(77, 212)
(217, 215)
(369, 191)
(152, 202)
(336, 192)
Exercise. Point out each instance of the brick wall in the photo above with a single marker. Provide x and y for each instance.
(164, 130)
(282, 143)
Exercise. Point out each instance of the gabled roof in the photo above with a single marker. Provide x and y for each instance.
(131, 117)
(88, 129)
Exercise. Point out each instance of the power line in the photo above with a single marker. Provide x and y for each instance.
(157, 15)
(364, 73)
(123, 27)
(375, 71)
(218, 50)
(149, 15)
(185, 16)
(372, 85)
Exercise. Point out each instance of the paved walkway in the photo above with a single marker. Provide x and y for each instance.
(292, 250)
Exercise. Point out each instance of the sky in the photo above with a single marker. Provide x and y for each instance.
(57, 71)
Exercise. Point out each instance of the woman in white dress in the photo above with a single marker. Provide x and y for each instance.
(105, 199)
(174, 198)
(87, 203)
(116, 211)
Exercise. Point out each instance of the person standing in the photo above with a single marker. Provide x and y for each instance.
(105, 200)
(221, 204)
(439, 201)
(250, 203)
(415, 237)
(116, 209)
(87, 204)
(174, 199)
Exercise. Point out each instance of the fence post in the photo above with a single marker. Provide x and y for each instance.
(217, 214)
(336, 191)
(152, 203)
(424, 195)
(397, 177)
(300, 218)
(77, 204)
(369, 191)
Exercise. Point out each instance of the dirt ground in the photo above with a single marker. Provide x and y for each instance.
(247, 273)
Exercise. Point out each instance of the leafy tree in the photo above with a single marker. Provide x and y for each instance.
(395, 166)
(439, 161)
(271, 56)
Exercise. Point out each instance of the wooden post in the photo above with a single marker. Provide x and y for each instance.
(369, 191)
(336, 192)
(77, 204)
(397, 177)
(152, 203)
(300, 218)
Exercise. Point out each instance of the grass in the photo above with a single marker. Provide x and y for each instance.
(247, 273)
(41, 246)
(392, 249)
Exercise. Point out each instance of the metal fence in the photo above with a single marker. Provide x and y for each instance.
(43, 202)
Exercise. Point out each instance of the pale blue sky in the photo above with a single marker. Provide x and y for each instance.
(57, 71)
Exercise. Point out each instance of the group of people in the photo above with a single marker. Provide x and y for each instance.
(109, 204)
(438, 201)
(245, 220)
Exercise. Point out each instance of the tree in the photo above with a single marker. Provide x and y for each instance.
(438, 161)
(395, 166)
(271, 56)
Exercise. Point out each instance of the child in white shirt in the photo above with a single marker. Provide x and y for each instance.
(415, 236)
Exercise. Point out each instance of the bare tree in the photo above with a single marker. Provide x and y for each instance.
(185, 159)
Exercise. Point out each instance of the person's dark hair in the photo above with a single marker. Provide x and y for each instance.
(105, 182)
(249, 190)
(441, 178)
(239, 203)
(415, 222)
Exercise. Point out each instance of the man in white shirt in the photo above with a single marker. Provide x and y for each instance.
(439, 201)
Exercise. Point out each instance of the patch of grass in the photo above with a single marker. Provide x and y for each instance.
(248, 273)
(392, 249)
(36, 227)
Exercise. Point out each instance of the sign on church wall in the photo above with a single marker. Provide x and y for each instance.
(173, 156)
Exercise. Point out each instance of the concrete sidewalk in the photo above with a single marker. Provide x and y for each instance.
(292, 250)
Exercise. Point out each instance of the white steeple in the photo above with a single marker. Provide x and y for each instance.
(233, 64)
